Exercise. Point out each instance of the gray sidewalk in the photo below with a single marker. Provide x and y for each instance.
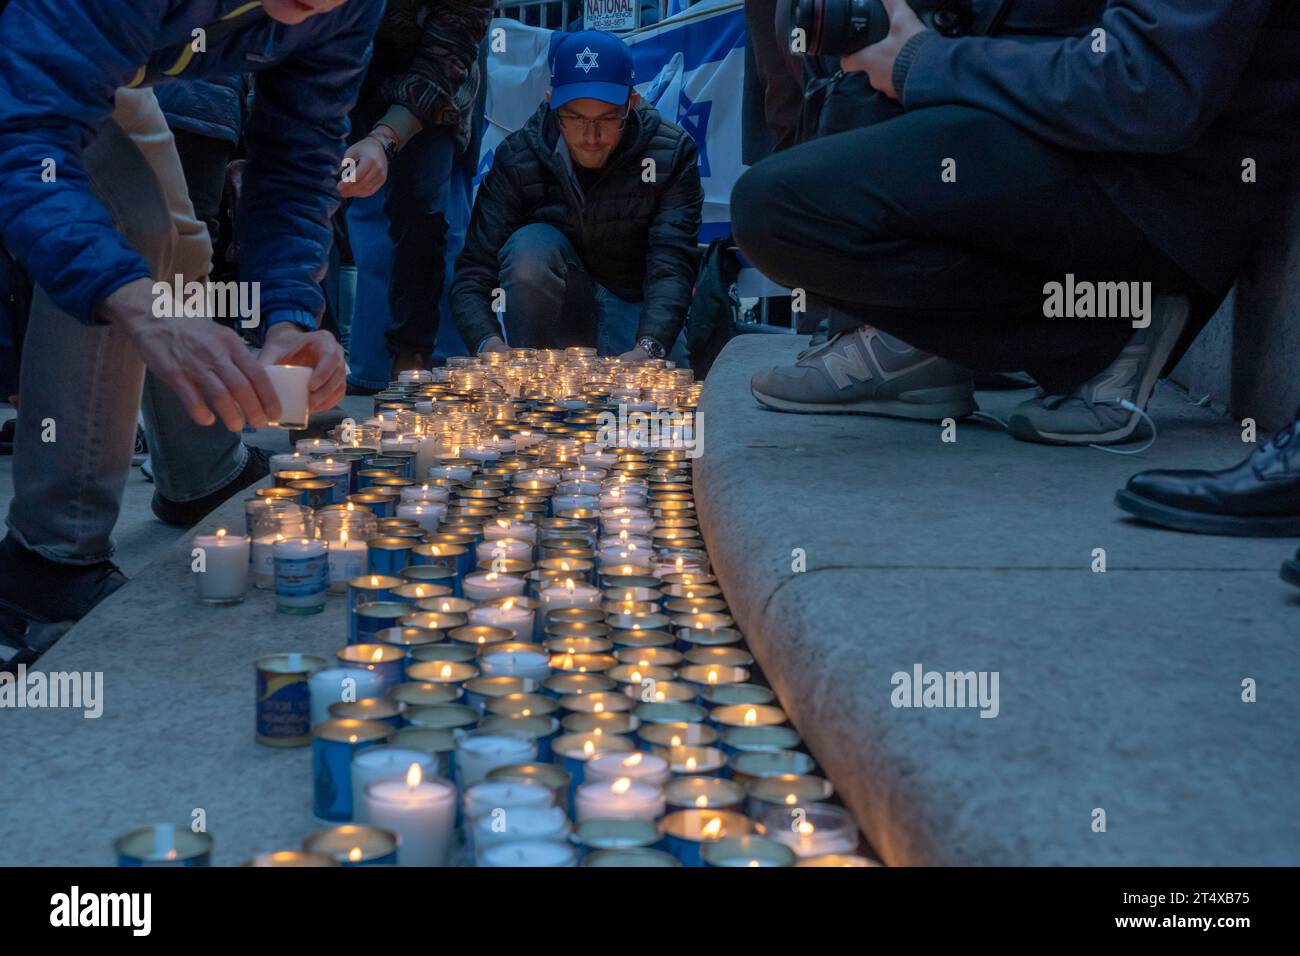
(1119, 691)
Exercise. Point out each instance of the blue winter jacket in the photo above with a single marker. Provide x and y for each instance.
(62, 60)
(212, 108)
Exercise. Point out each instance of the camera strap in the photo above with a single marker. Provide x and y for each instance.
(989, 20)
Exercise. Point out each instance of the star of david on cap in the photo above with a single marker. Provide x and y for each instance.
(590, 64)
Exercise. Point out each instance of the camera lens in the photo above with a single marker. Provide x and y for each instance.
(836, 27)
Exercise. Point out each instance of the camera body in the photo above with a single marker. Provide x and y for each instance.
(837, 27)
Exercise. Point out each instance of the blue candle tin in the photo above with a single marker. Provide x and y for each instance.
(385, 710)
(594, 835)
(284, 699)
(332, 746)
(385, 660)
(686, 831)
(367, 589)
(164, 845)
(433, 575)
(479, 690)
(371, 619)
(388, 555)
(355, 845)
(315, 493)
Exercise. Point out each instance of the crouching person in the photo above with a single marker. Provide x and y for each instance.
(584, 231)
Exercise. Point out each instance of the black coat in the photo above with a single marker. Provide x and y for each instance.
(635, 238)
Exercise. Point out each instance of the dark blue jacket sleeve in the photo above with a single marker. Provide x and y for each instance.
(1168, 70)
(296, 138)
(60, 63)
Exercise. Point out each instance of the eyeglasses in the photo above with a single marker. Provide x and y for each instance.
(572, 123)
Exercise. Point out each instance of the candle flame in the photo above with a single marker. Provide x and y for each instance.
(491, 576)
(675, 741)
(568, 584)
(691, 763)
(633, 760)
(221, 534)
(621, 785)
(679, 563)
(343, 537)
(354, 854)
(635, 676)
(659, 696)
(446, 671)
(378, 655)
(712, 829)
(419, 588)
(526, 712)
(791, 799)
(446, 606)
(507, 604)
(413, 775)
(599, 708)
(805, 828)
(754, 863)
(713, 677)
(701, 801)
(352, 738)
(502, 523)
(588, 748)
(351, 507)
(564, 566)
(751, 717)
(374, 580)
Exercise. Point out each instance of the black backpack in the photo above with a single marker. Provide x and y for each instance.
(715, 306)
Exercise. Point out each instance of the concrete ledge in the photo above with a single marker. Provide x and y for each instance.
(1118, 690)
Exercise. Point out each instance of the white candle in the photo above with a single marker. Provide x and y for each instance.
(578, 486)
(339, 472)
(385, 762)
(404, 443)
(221, 567)
(625, 552)
(290, 384)
(520, 823)
(520, 620)
(264, 560)
(427, 514)
(478, 752)
(621, 497)
(548, 853)
(426, 454)
(289, 461)
(335, 684)
(505, 528)
(454, 472)
(573, 502)
(638, 766)
(570, 594)
(429, 493)
(506, 660)
(512, 549)
(347, 561)
(621, 519)
(421, 812)
(484, 585)
(483, 798)
(319, 447)
(621, 799)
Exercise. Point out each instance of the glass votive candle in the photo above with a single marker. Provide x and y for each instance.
(539, 853)
(427, 514)
(272, 521)
(346, 558)
(813, 829)
(315, 447)
(220, 563)
(687, 831)
(638, 765)
(750, 851)
(290, 383)
(386, 761)
(301, 575)
(388, 662)
(435, 494)
(484, 585)
(478, 752)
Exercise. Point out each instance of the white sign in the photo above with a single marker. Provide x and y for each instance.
(613, 16)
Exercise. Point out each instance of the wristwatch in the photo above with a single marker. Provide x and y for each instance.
(652, 347)
(390, 145)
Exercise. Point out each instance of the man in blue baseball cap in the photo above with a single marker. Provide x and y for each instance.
(587, 222)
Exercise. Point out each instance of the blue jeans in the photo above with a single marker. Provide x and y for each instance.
(553, 302)
(405, 239)
(85, 382)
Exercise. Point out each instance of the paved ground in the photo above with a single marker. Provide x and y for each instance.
(1118, 690)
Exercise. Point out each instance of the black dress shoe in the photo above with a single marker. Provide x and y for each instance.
(35, 590)
(186, 514)
(1258, 498)
(1291, 570)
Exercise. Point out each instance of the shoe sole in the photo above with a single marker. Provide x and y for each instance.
(1023, 430)
(1290, 572)
(934, 404)
(1180, 519)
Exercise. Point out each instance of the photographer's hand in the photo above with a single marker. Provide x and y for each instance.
(877, 60)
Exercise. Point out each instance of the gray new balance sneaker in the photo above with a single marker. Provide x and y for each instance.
(1092, 413)
(866, 372)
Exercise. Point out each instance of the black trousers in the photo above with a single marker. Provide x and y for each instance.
(865, 221)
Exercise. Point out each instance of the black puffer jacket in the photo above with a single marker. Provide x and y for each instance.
(637, 239)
